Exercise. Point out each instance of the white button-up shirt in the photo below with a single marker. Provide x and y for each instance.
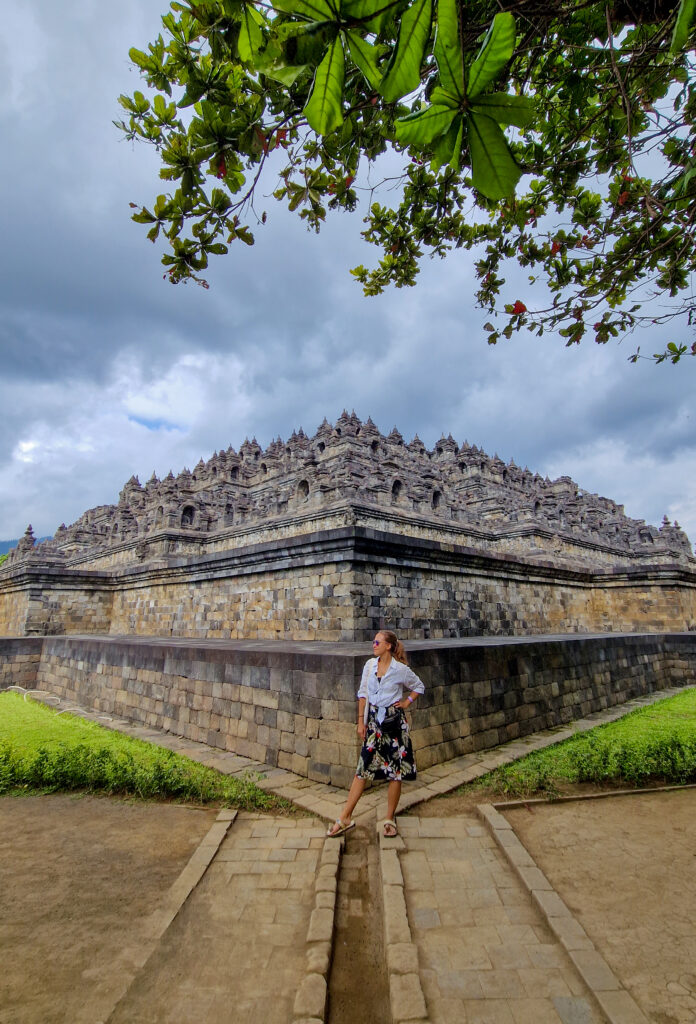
(390, 688)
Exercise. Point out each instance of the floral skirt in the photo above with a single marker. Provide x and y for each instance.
(387, 753)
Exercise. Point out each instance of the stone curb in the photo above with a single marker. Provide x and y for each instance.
(311, 1000)
(405, 992)
(575, 798)
(173, 901)
(614, 1001)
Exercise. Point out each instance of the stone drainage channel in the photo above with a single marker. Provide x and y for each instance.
(451, 921)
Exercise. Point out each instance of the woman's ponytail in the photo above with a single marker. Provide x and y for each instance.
(395, 645)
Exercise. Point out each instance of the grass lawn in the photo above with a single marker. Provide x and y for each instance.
(652, 744)
(44, 750)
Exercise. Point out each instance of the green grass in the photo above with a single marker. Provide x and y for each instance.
(2, 558)
(43, 750)
(652, 744)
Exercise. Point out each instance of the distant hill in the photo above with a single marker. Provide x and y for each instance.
(7, 545)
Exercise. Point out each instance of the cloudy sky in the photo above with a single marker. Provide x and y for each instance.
(109, 370)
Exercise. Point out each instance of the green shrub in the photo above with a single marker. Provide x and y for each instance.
(652, 744)
(42, 750)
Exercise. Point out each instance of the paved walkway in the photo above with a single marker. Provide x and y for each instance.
(473, 931)
(484, 952)
(238, 949)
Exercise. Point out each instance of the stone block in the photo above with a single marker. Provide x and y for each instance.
(319, 958)
(402, 958)
(310, 1000)
(320, 925)
(406, 998)
(396, 927)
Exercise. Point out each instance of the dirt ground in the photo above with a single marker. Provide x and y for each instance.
(77, 875)
(626, 868)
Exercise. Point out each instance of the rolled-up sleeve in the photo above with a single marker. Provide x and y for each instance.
(412, 680)
(362, 689)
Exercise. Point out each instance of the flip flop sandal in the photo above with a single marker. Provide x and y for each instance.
(390, 831)
(333, 832)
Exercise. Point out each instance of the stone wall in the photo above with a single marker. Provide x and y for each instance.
(293, 704)
(344, 584)
(19, 662)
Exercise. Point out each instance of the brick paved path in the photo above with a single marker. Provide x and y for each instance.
(484, 954)
(237, 949)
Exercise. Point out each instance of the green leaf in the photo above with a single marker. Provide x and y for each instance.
(496, 51)
(286, 74)
(291, 29)
(324, 108)
(493, 169)
(506, 109)
(403, 71)
(444, 99)
(250, 38)
(423, 127)
(141, 59)
(448, 48)
(364, 56)
(444, 149)
(313, 10)
(456, 158)
(682, 28)
(372, 13)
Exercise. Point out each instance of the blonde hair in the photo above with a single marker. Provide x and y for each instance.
(395, 645)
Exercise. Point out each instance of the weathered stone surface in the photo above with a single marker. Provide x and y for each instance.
(321, 925)
(402, 958)
(407, 1001)
(310, 1000)
(319, 958)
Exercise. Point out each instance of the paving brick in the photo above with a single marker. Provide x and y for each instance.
(310, 1000)
(620, 1008)
(594, 970)
(406, 997)
(402, 958)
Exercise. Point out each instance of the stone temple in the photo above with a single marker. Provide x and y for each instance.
(278, 564)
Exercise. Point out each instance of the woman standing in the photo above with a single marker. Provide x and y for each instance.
(386, 746)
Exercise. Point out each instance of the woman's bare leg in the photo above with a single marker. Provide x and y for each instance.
(354, 793)
(393, 797)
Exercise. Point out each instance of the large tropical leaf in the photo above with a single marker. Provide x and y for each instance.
(423, 127)
(496, 51)
(286, 74)
(250, 38)
(444, 98)
(313, 10)
(448, 48)
(684, 24)
(324, 108)
(364, 57)
(403, 72)
(493, 169)
(446, 148)
(371, 13)
(506, 109)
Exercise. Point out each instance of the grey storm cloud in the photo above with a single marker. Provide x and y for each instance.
(109, 370)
